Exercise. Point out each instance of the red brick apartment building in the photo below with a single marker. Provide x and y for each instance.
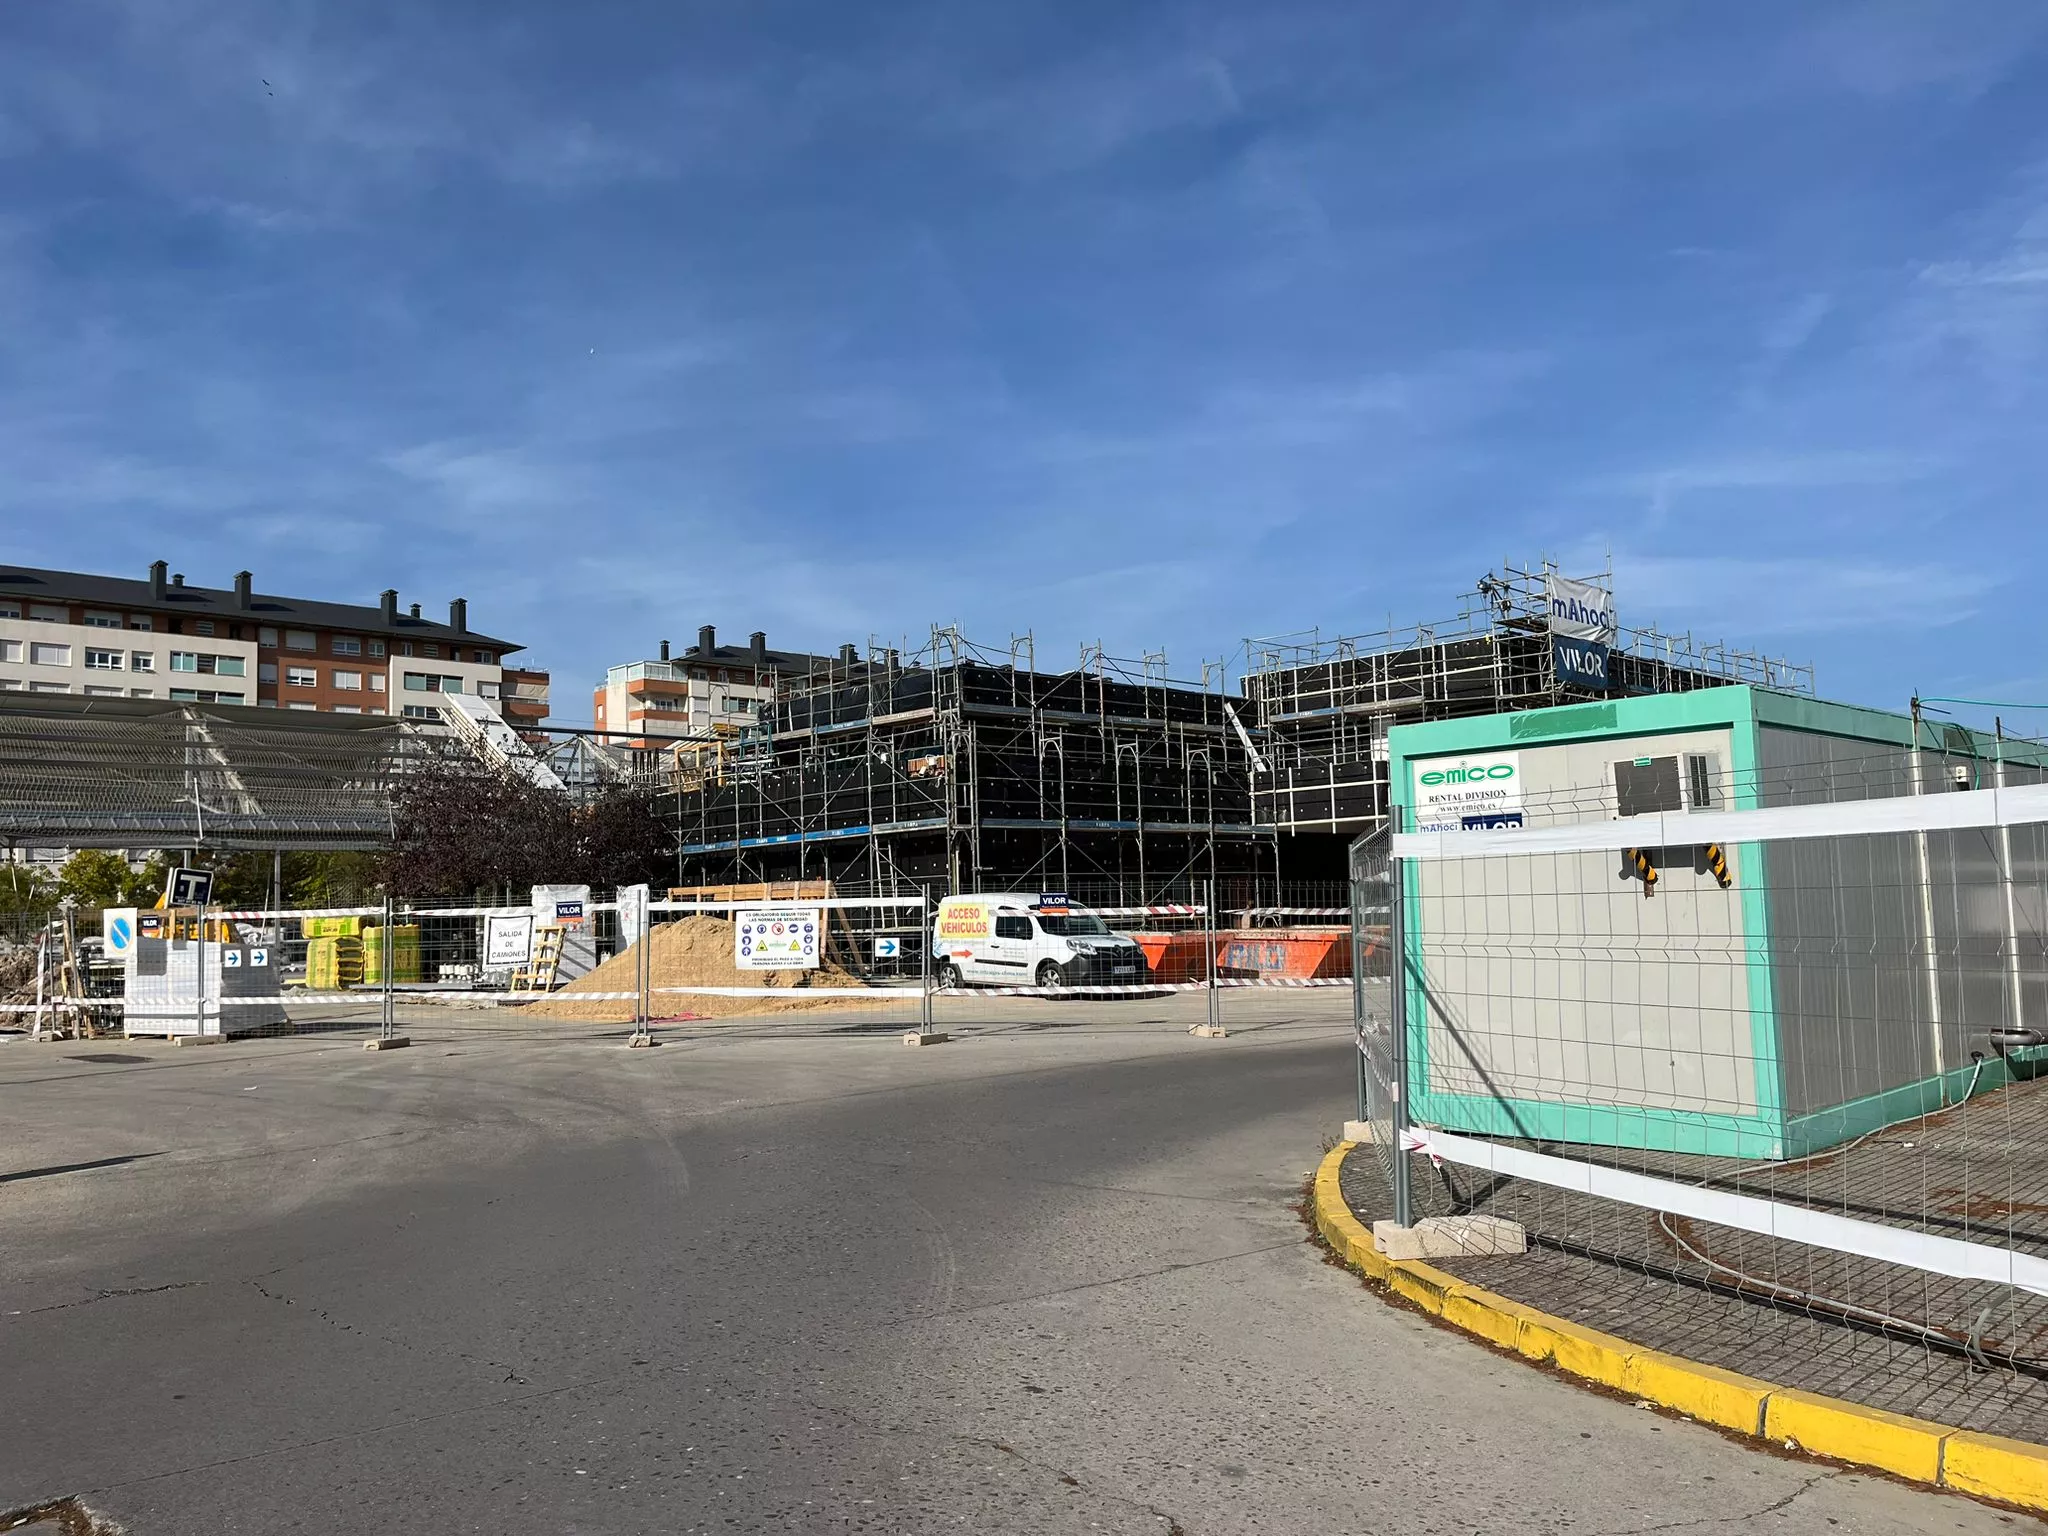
(78, 633)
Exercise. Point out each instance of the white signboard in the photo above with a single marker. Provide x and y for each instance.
(888, 949)
(117, 932)
(1581, 610)
(776, 938)
(633, 901)
(508, 940)
(1461, 794)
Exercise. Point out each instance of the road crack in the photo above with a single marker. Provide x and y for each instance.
(1757, 1514)
(114, 1294)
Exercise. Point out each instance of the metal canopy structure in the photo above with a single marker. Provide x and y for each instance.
(144, 773)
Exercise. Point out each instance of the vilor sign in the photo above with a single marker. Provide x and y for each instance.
(1456, 794)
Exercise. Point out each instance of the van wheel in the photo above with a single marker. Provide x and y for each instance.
(1051, 977)
(949, 976)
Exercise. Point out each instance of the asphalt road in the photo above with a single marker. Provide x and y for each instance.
(1038, 1281)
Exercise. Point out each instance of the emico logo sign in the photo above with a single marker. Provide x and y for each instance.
(1468, 792)
(1473, 775)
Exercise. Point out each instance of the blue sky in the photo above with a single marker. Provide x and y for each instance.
(1159, 325)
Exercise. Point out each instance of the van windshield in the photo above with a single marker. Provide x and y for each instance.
(1070, 925)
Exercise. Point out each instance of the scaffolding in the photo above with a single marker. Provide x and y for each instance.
(1322, 707)
(965, 765)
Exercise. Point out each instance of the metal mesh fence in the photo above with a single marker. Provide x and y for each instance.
(1789, 1053)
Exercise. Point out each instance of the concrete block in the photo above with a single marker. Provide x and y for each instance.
(396, 1042)
(641, 1043)
(1209, 1032)
(199, 1039)
(916, 1037)
(1450, 1237)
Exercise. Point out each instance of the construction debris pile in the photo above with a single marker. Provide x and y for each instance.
(698, 952)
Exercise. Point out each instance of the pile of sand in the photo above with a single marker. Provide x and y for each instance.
(697, 952)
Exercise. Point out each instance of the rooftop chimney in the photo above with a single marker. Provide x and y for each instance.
(242, 579)
(849, 653)
(664, 650)
(387, 605)
(414, 610)
(458, 615)
(159, 573)
(757, 642)
(707, 642)
(178, 580)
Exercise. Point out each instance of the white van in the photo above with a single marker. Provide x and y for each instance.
(1030, 941)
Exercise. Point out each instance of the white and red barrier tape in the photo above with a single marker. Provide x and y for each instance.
(370, 996)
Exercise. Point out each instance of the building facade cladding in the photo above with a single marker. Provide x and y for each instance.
(277, 652)
(710, 690)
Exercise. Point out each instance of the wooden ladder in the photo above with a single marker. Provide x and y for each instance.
(539, 973)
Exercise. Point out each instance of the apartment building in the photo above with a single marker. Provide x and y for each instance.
(108, 636)
(711, 691)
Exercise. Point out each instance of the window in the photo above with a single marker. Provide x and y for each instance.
(10, 685)
(1013, 927)
(267, 637)
(102, 620)
(202, 626)
(347, 709)
(349, 682)
(141, 621)
(49, 687)
(302, 706)
(10, 610)
(485, 658)
(376, 647)
(230, 666)
(206, 661)
(346, 645)
(301, 640)
(97, 660)
(301, 677)
(141, 693)
(1700, 774)
(1647, 785)
(732, 704)
(142, 661)
(184, 661)
(49, 613)
(204, 696)
(487, 690)
(44, 655)
(10, 650)
(266, 671)
(376, 682)
(405, 647)
(431, 682)
(102, 693)
(422, 712)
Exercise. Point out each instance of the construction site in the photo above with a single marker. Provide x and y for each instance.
(970, 768)
(1320, 707)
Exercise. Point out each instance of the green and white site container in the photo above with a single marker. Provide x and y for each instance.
(1765, 999)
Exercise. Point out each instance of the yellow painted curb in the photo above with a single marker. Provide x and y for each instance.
(1988, 1466)
(1829, 1426)
(1996, 1468)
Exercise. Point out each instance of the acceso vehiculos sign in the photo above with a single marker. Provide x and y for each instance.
(1457, 794)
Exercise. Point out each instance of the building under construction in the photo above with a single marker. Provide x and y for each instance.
(972, 768)
(1321, 708)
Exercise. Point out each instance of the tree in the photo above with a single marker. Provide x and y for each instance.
(462, 828)
(94, 877)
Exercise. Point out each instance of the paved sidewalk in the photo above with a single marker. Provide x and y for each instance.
(1687, 1317)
